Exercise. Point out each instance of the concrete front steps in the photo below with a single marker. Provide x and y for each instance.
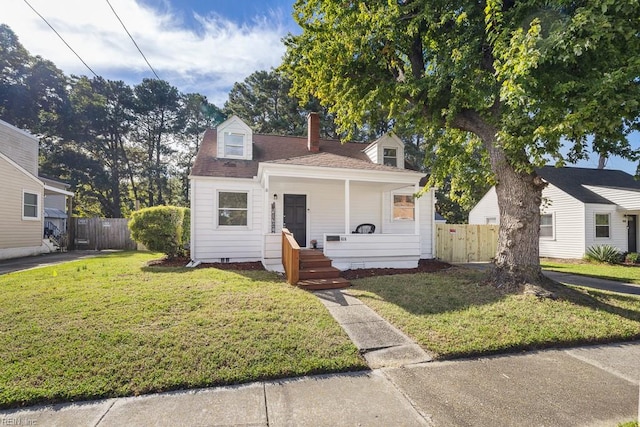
(316, 272)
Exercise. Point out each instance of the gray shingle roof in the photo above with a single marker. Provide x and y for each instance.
(572, 181)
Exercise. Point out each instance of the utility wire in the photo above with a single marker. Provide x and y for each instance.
(61, 38)
(132, 39)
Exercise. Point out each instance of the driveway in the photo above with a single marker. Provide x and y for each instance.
(26, 263)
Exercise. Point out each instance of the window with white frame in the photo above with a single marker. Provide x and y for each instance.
(403, 207)
(546, 226)
(233, 208)
(390, 157)
(30, 208)
(491, 220)
(233, 144)
(603, 222)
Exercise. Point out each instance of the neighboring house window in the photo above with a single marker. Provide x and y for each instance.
(602, 225)
(232, 208)
(390, 156)
(30, 208)
(403, 207)
(546, 226)
(491, 220)
(233, 144)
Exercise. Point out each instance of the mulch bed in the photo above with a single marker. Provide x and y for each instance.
(424, 266)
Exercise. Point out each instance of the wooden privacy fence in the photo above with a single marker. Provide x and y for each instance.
(466, 242)
(100, 233)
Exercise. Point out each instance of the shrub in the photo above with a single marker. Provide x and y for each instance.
(161, 229)
(632, 257)
(603, 253)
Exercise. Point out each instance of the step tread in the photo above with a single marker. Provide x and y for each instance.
(319, 284)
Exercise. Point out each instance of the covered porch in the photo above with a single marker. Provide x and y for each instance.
(323, 209)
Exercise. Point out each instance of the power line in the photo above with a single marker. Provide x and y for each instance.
(61, 38)
(132, 39)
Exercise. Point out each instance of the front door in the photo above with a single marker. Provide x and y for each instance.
(295, 217)
(632, 233)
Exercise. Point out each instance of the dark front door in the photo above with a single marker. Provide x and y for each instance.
(295, 217)
(632, 233)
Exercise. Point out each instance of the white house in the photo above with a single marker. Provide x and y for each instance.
(246, 187)
(23, 193)
(580, 208)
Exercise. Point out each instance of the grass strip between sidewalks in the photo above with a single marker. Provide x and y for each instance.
(453, 314)
(109, 326)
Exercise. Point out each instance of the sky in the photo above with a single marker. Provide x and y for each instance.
(202, 46)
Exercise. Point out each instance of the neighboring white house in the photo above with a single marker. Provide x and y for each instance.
(22, 198)
(246, 187)
(580, 208)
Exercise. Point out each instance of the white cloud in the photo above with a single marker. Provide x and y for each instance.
(207, 59)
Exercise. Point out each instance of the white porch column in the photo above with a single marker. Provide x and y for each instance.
(347, 205)
(416, 209)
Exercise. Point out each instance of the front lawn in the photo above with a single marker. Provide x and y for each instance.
(452, 314)
(110, 326)
(619, 273)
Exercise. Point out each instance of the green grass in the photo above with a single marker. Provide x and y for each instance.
(619, 273)
(452, 314)
(110, 326)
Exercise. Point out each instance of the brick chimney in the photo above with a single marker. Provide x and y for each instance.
(313, 132)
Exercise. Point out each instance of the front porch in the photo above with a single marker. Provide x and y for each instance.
(353, 251)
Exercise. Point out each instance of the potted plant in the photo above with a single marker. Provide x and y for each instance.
(314, 244)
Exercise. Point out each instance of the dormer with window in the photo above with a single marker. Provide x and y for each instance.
(235, 140)
(387, 150)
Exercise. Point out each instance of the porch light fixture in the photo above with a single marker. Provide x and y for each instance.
(275, 197)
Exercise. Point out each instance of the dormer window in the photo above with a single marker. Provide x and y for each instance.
(390, 157)
(233, 144)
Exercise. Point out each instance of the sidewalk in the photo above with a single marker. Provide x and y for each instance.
(586, 386)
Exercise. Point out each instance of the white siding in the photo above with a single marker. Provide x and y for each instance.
(618, 227)
(209, 243)
(325, 205)
(20, 146)
(486, 208)
(626, 199)
(569, 223)
(366, 206)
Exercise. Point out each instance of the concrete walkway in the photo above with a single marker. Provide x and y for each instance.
(381, 344)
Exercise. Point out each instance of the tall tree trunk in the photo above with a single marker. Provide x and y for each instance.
(602, 161)
(519, 196)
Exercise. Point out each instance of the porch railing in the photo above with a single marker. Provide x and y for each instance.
(290, 257)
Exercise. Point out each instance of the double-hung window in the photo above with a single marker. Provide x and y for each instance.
(233, 208)
(546, 226)
(403, 207)
(30, 205)
(390, 157)
(233, 144)
(603, 222)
